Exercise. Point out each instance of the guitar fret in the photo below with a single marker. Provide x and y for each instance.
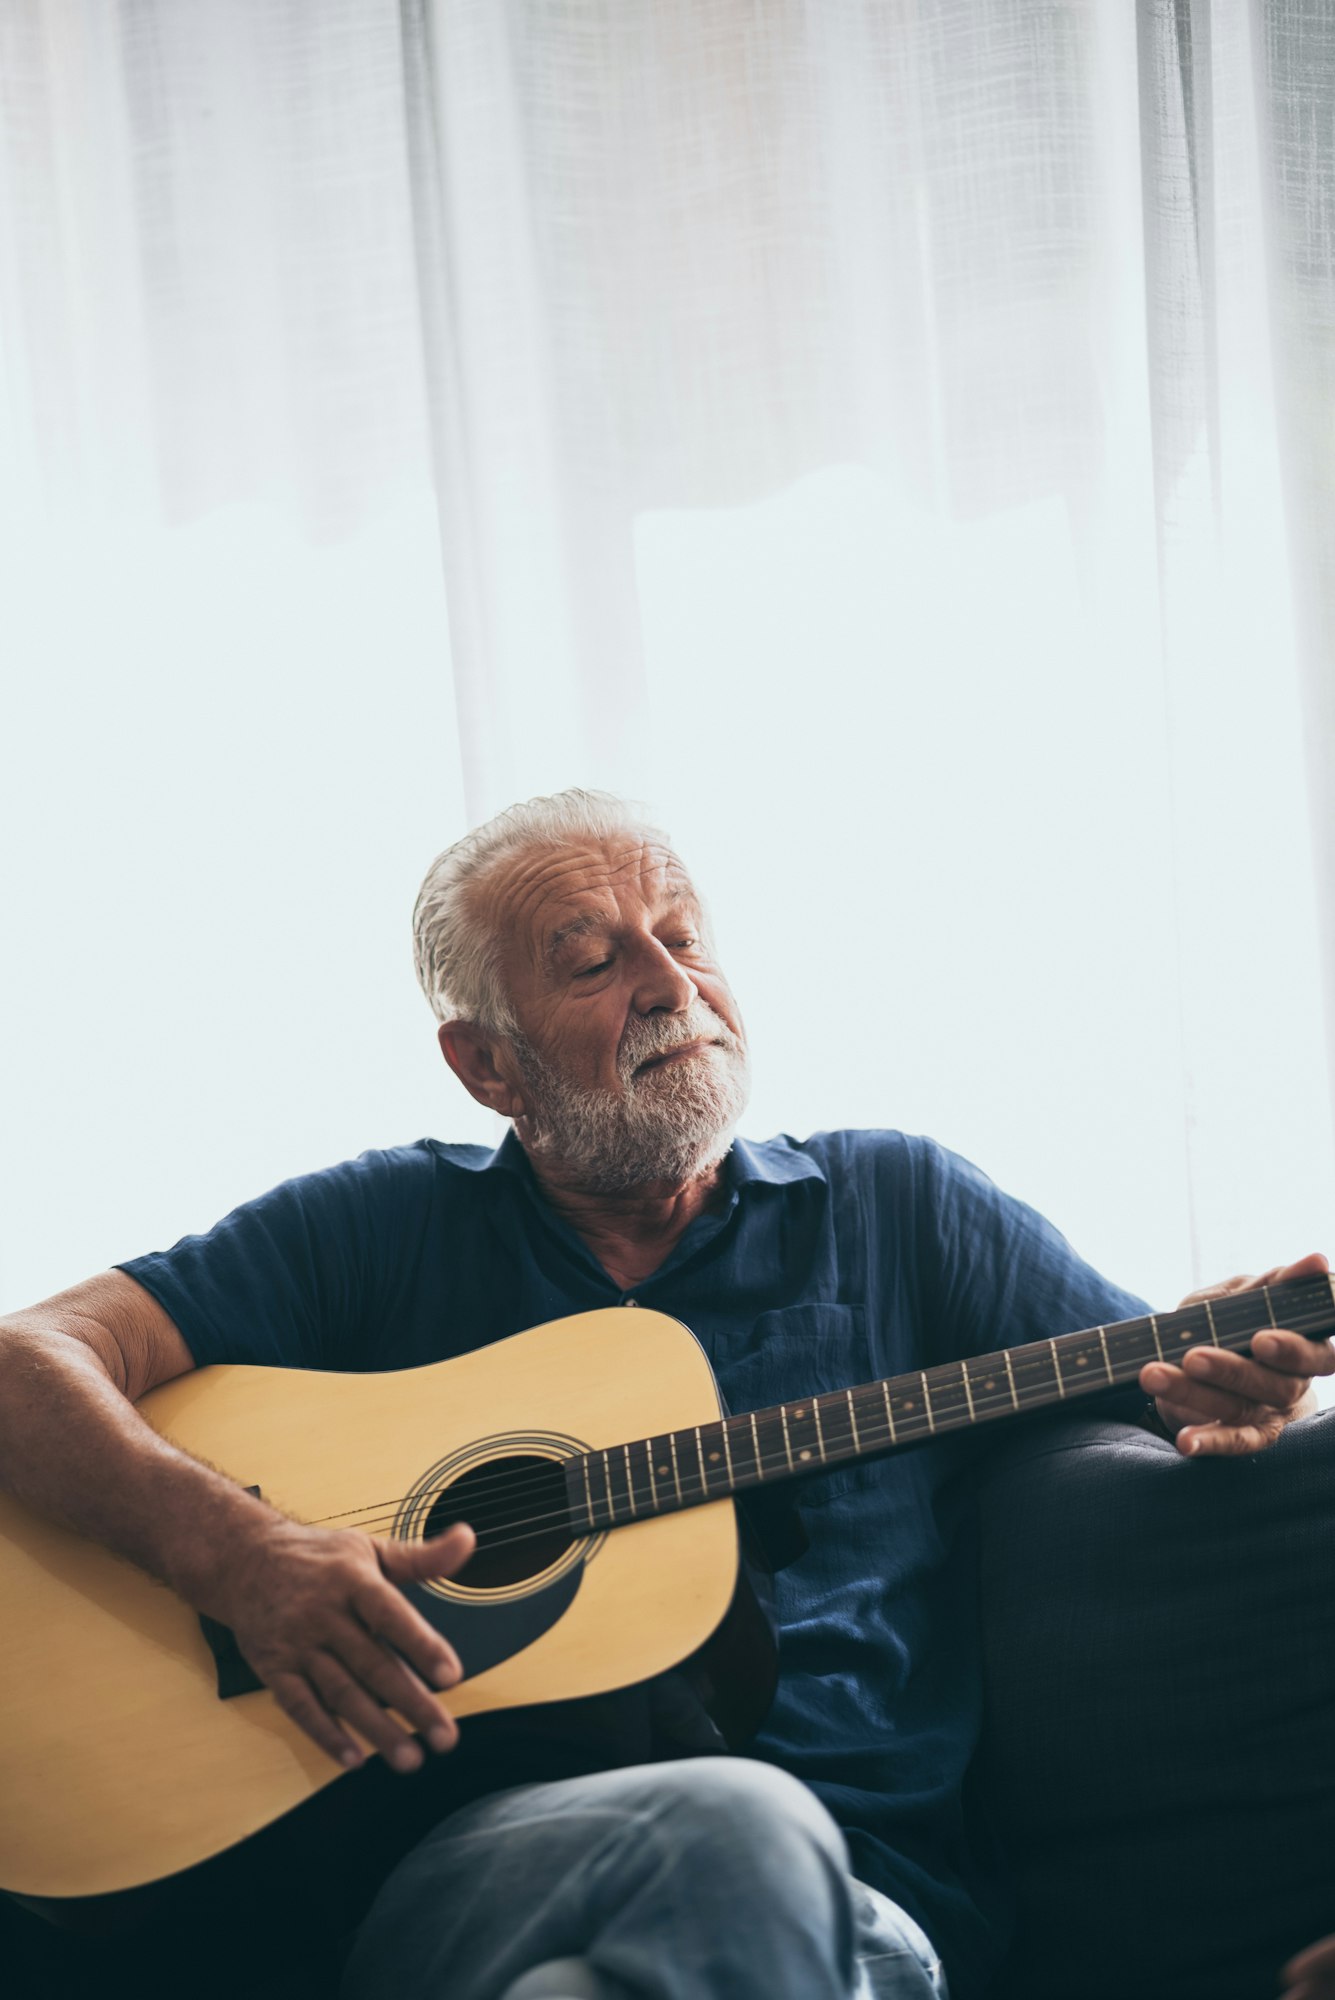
(982, 1389)
(1077, 1353)
(838, 1426)
(1010, 1376)
(719, 1475)
(798, 1415)
(1188, 1326)
(606, 1498)
(834, 1428)
(1057, 1365)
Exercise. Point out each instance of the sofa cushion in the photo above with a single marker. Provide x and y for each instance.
(1159, 1743)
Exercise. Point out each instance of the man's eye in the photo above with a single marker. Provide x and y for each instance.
(588, 971)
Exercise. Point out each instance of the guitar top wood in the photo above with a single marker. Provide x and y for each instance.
(119, 1762)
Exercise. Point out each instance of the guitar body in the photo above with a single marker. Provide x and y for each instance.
(121, 1762)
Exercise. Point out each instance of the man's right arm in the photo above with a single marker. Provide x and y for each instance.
(318, 1614)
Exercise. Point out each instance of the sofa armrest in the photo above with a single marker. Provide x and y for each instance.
(1159, 1744)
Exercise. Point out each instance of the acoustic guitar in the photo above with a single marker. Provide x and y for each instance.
(134, 1741)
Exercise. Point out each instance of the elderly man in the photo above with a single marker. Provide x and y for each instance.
(569, 961)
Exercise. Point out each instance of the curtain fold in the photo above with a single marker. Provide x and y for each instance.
(895, 440)
(1056, 279)
(225, 697)
(207, 287)
(1295, 42)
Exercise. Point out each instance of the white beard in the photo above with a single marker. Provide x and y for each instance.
(667, 1124)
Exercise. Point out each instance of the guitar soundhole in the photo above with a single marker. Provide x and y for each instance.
(519, 1511)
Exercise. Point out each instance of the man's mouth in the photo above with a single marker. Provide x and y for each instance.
(678, 1049)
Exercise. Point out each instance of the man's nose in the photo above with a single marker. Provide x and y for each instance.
(661, 985)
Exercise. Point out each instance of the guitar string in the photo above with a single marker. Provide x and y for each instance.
(532, 1526)
(513, 1490)
(512, 1485)
(509, 1488)
(540, 1526)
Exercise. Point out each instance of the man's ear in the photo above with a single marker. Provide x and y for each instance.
(471, 1054)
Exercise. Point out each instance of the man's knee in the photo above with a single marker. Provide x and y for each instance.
(750, 1812)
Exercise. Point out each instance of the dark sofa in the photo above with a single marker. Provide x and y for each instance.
(1160, 1731)
(1159, 1750)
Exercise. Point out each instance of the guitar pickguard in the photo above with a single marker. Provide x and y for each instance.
(483, 1634)
(483, 1631)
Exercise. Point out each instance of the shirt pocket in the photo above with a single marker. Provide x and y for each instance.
(795, 1353)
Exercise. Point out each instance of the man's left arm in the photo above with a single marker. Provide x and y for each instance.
(1227, 1404)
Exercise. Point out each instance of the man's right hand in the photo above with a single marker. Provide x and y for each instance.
(320, 1618)
(317, 1613)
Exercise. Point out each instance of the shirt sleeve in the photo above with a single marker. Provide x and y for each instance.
(997, 1274)
(300, 1277)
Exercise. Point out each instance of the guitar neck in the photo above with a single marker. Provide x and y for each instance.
(661, 1475)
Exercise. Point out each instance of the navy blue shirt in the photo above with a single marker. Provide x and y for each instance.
(831, 1261)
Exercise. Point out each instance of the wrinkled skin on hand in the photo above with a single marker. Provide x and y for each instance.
(1230, 1404)
(1311, 1975)
(318, 1615)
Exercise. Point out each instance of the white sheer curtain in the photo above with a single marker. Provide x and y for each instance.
(861, 429)
(226, 718)
(892, 440)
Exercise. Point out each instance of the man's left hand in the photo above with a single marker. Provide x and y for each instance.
(1228, 1404)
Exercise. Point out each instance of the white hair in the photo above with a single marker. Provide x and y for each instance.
(456, 948)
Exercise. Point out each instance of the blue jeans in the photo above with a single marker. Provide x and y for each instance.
(713, 1876)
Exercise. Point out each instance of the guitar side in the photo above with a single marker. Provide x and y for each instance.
(120, 1764)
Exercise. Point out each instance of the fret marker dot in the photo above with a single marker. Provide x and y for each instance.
(713, 1458)
(1080, 1360)
(908, 1402)
(799, 1411)
(663, 1470)
(991, 1382)
(804, 1454)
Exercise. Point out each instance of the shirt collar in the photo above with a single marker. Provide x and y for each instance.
(766, 1162)
(509, 1158)
(771, 1162)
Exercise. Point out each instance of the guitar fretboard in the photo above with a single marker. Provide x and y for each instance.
(661, 1475)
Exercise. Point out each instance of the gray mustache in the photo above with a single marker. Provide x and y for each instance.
(651, 1037)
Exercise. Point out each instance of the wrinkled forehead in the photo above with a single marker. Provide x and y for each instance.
(544, 896)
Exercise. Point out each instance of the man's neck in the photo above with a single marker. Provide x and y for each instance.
(633, 1232)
